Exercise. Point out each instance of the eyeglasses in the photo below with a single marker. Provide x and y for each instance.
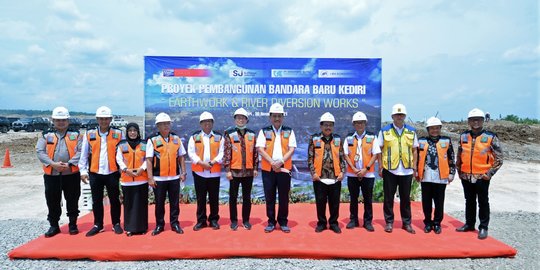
(327, 125)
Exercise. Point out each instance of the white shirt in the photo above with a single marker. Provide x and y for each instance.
(277, 153)
(103, 157)
(150, 154)
(375, 149)
(400, 169)
(122, 166)
(192, 153)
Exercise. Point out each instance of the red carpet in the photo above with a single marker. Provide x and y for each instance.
(302, 242)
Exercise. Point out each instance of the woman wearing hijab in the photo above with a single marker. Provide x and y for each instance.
(130, 156)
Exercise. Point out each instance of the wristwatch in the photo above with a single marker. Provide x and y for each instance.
(368, 168)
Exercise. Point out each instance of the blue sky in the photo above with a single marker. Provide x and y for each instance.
(437, 56)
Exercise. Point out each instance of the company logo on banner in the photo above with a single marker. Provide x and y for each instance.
(184, 87)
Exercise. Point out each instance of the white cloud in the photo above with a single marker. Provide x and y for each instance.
(523, 53)
(16, 30)
(66, 9)
(35, 49)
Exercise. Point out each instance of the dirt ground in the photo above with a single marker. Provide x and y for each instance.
(514, 188)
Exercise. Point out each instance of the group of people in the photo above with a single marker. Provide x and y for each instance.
(107, 158)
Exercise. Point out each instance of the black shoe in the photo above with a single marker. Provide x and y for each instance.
(369, 227)
(388, 228)
(335, 228)
(465, 228)
(95, 230)
(52, 231)
(428, 228)
(73, 230)
(482, 234)
(117, 228)
(129, 234)
(320, 228)
(234, 225)
(408, 228)
(437, 229)
(352, 224)
(247, 225)
(157, 230)
(199, 226)
(269, 228)
(214, 224)
(285, 229)
(176, 228)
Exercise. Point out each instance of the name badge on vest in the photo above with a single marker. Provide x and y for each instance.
(124, 148)
(337, 141)
(369, 139)
(50, 139)
(268, 135)
(115, 135)
(250, 137)
(286, 134)
(72, 137)
(92, 136)
(143, 147)
(198, 138)
(443, 145)
(484, 139)
(317, 144)
(421, 146)
(350, 141)
(175, 140)
(235, 138)
(217, 138)
(159, 144)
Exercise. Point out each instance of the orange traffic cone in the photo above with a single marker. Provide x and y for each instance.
(7, 160)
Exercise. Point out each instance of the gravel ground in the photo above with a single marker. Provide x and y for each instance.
(518, 229)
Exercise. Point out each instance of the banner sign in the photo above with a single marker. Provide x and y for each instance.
(184, 87)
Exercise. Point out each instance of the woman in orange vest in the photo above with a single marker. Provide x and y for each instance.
(240, 160)
(327, 166)
(131, 159)
(436, 169)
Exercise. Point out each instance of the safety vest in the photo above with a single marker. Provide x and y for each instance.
(318, 146)
(237, 158)
(165, 162)
(94, 141)
(367, 146)
(442, 155)
(71, 138)
(476, 157)
(215, 140)
(133, 158)
(269, 147)
(397, 148)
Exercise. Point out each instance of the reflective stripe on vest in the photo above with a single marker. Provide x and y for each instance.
(94, 141)
(318, 146)
(367, 151)
(397, 148)
(199, 149)
(165, 161)
(269, 148)
(71, 140)
(133, 160)
(237, 158)
(442, 157)
(476, 157)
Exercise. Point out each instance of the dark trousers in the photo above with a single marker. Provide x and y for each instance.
(54, 186)
(204, 186)
(479, 189)
(327, 193)
(98, 182)
(247, 183)
(401, 183)
(366, 185)
(433, 193)
(136, 208)
(280, 182)
(172, 189)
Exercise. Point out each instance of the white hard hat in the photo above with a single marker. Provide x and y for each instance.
(433, 121)
(206, 116)
(276, 108)
(399, 109)
(162, 117)
(327, 117)
(359, 116)
(60, 113)
(103, 111)
(476, 113)
(241, 111)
